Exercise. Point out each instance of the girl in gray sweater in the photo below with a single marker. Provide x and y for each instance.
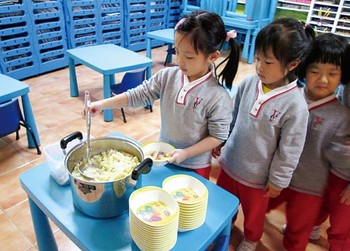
(269, 125)
(195, 106)
(322, 176)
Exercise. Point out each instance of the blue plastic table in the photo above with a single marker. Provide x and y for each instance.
(165, 35)
(107, 59)
(47, 199)
(12, 88)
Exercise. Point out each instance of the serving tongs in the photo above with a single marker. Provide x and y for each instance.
(87, 164)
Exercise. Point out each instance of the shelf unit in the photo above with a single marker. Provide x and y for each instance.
(326, 16)
(296, 5)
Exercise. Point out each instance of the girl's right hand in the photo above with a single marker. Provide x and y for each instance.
(94, 108)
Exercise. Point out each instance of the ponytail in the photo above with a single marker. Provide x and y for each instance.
(228, 74)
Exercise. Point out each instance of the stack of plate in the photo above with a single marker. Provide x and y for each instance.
(192, 197)
(154, 219)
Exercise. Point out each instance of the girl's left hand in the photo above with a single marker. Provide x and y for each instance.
(177, 156)
(271, 192)
(345, 196)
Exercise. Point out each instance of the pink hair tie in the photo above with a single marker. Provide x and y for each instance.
(231, 34)
(179, 23)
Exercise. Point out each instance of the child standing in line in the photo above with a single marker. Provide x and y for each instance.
(269, 125)
(195, 108)
(325, 158)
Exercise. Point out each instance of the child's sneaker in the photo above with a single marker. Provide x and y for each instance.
(315, 233)
(247, 245)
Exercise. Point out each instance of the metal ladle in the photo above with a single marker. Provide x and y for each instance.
(88, 164)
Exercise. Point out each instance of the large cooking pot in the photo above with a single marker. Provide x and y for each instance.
(103, 199)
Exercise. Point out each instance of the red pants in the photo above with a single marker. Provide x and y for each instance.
(302, 211)
(253, 202)
(339, 215)
(204, 172)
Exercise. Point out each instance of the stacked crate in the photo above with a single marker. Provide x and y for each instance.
(157, 16)
(81, 22)
(136, 20)
(111, 22)
(49, 34)
(17, 58)
(174, 12)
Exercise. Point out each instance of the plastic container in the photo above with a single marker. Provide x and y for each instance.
(55, 159)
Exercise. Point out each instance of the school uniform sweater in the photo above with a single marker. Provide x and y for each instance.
(268, 134)
(188, 113)
(324, 149)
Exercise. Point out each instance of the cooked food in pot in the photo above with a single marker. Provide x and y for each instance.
(108, 166)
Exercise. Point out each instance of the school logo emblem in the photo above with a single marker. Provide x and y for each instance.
(317, 122)
(274, 115)
(197, 102)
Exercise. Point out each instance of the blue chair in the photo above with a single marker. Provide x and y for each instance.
(12, 119)
(131, 79)
(257, 14)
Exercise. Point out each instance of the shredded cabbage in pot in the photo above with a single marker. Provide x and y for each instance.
(108, 166)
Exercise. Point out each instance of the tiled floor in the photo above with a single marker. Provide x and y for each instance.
(57, 114)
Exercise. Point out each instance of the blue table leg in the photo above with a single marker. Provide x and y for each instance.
(30, 121)
(108, 80)
(74, 92)
(42, 228)
(148, 54)
(246, 45)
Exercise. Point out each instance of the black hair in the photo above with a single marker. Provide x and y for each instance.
(207, 33)
(289, 40)
(329, 48)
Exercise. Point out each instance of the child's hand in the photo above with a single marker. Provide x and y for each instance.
(94, 108)
(345, 196)
(216, 152)
(271, 191)
(177, 156)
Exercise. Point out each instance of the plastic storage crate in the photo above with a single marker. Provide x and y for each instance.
(49, 34)
(81, 22)
(17, 58)
(136, 23)
(111, 22)
(174, 13)
(157, 16)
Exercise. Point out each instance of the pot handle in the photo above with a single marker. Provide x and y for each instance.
(64, 142)
(144, 167)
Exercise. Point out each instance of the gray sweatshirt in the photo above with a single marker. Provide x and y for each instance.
(324, 150)
(268, 134)
(189, 113)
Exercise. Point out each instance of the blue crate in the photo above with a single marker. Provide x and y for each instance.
(111, 22)
(81, 22)
(17, 58)
(49, 34)
(174, 12)
(137, 23)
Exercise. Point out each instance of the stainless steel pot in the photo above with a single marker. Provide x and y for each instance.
(103, 199)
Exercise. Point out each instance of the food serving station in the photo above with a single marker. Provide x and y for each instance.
(49, 200)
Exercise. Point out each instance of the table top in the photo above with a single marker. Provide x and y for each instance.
(109, 58)
(11, 88)
(113, 234)
(166, 35)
